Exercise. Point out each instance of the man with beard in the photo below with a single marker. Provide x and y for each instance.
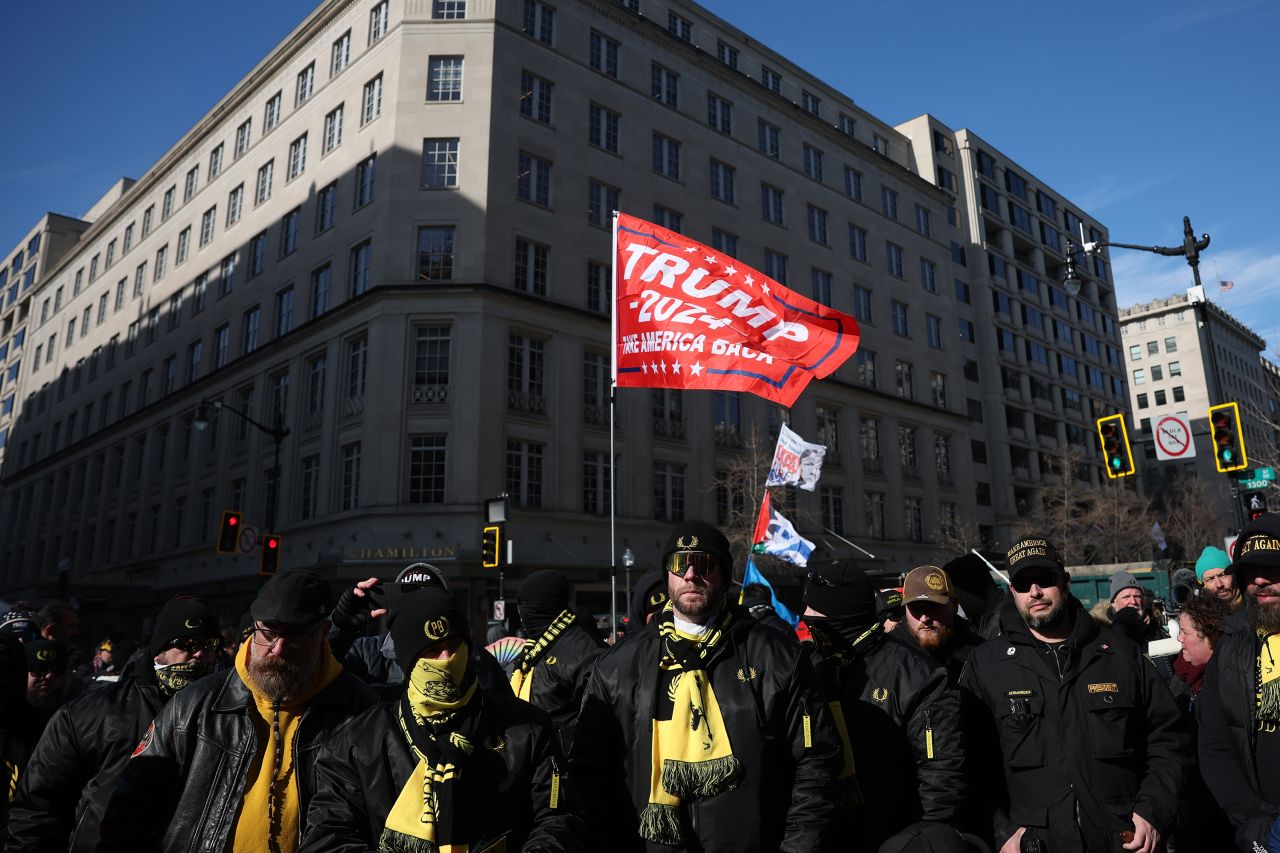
(450, 764)
(703, 731)
(1213, 571)
(229, 762)
(1089, 734)
(1238, 708)
(932, 621)
(897, 717)
(74, 769)
(551, 670)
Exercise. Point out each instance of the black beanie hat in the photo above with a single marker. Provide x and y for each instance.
(45, 655)
(182, 617)
(649, 596)
(542, 596)
(1258, 543)
(294, 598)
(424, 618)
(698, 536)
(841, 589)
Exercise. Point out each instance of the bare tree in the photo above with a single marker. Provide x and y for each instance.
(1062, 514)
(1120, 524)
(1193, 517)
(951, 538)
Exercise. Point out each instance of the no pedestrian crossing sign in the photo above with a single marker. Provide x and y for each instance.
(1173, 437)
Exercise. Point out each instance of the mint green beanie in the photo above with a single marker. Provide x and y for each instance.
(1211, 558)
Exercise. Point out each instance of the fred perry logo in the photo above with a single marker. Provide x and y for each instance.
(1104, 687)
(436, 629)
(551, 660)
(880, 694)
(192, 623)
(45, 654)
(685, 546)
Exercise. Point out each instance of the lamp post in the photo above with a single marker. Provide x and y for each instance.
(628, 560)
(277, 433)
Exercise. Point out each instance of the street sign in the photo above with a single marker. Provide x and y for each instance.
(1173, 438)
(248, 542)
(1263, 474)
(499, 610)
(1255, 504)
(1251, 485)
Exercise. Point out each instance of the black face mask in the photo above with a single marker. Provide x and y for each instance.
(176, 676)
(841, 633)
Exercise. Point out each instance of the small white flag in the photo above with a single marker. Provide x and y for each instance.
(796, 462)
(782, 541)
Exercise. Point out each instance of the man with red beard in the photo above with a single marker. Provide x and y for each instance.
(229, 763)
(933, 621)
(1238, 708)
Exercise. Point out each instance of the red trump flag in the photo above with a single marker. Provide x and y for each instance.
(690, 317)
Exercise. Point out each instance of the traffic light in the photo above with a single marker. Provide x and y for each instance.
(1117, 456)
(1228, 438)
(269, 562)
(229, 532)
(491, 546)
(1255, 505)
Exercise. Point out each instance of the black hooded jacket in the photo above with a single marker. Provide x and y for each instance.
(777, 724)
(1088, 732)
(20, 724)
(560, 675)
(1239, 760)
(74, 769)
(903, 720)
(364, 765)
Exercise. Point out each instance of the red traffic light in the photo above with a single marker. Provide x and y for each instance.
(273, 543)
(269, 561)
(232, 521)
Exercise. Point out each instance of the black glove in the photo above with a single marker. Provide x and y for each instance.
(351, 614)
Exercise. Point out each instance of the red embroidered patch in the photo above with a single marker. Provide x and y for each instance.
(145, 742)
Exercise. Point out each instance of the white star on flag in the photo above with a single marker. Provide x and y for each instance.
(765, 288)
(727, 271)
(690, 250)
(709, 259)
(748, 281)
(644, 368)
(653, 365)
(696, 369)
(675, 368)
(664, 368)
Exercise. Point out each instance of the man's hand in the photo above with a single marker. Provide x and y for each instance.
(1014, 844)
(368, 588)
(1146, 838)
(355, 606)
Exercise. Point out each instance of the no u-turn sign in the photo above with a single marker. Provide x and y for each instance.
(1173, 437)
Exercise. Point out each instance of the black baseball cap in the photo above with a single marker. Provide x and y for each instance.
(180, 618)
(418, 575)
(1032, 552)
(293, 598)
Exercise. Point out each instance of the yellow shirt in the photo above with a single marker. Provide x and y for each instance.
(271, 772)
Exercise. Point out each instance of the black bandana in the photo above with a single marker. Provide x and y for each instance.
(176, 676)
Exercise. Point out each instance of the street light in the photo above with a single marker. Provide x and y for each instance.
(628, 560)
(277, 433)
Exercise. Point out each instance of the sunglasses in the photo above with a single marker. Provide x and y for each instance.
(1043, 578)
(195, 645)
(269, 636)
(701, 562)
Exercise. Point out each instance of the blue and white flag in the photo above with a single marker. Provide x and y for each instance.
(753, 575)
(782, 541)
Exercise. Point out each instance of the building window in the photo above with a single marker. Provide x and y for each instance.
(597, 488)
(858, 243)
(862, 304)
(188, 190)
(340, 54)
(426, 469)
(332, 130)
(533, 183)
(847, 125)
(719, 113)
(667, 218)
(902, 373)
(284, 311)
(914, 519)
(535, 97)
(866, 361)
(602, 200)
(595, 388)
(889, 202)
(309, 488)
(540, 21)
(938, 389)
(439, 163)
(933, 328)
(907, 451)
(771, 79)
(249, 329)
(775, 266)
(242, 139)
(724, 242)
(597, 285)
(525, 374)
(271, 113)
(817, 222)
(221, 346)
(893, 259)
(1170, 344)
(349, 497)
(306, 84)
(664, 84)
(873, 512)
(297, 157)
(532, 262)
(431, 364)
(604, 54)
(1179, 395)
(317, 371)
(668, 491)
(435, 253)
(832, 498)
(726, 53)
(813, 163)
(378, 20)
(770, 139)
(360, 266)
(666, 156)
(771, 204)
(371, 96)
(524, 473)
(602, 128)
(321, 285)
(207, 223)
(449, 10)
(357, 363)
(195, 355)
(1139, 376)
(258, 254)
(235, 204)
(901, 325)
(290, 228)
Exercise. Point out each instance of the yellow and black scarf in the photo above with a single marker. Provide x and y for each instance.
(1268, 679)
(534, 650)
(692, 756)
(438, 719)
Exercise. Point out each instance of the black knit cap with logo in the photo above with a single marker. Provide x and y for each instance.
(180, 618)
(842, 589)
(1258, 543)
(1033, 552)
(46, 656)
(424, 618)
(698, 536)
(293, 598)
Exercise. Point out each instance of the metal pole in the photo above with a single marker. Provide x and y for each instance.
(275, 483)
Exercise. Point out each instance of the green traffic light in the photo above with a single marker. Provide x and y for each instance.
(1228, 456)
(1116, 463)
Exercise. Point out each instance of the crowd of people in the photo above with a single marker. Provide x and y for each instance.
(945, 717)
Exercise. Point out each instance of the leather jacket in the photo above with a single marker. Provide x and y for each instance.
(183, 786)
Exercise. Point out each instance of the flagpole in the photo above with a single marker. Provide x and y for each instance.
(851, 544)
(995, 573)
(613, 474)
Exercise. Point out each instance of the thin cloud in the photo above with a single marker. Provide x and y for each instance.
(1112, 190)
(1201, 15)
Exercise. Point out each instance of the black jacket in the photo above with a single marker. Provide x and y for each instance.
(74, 769)
(182, 788)
(904, 729)
(20, 724)
(1083, 749)
(560, 675)
(1228, 735)
(364, 765)
(778, 727)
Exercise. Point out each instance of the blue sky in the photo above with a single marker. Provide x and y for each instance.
(1139, 111)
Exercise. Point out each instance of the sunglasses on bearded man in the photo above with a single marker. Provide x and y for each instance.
(702, 562)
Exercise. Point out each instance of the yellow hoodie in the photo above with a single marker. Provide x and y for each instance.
(260, 828)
